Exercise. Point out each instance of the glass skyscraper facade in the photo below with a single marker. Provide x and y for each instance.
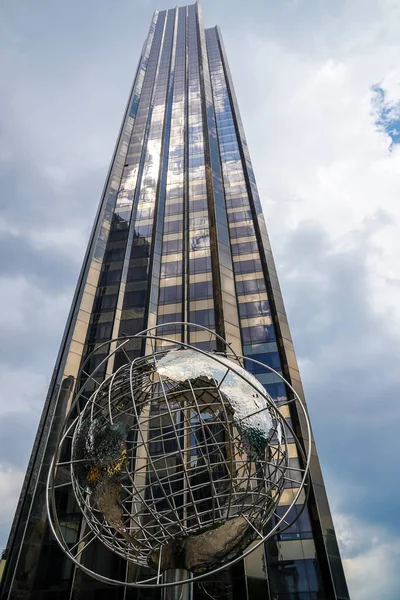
(179, 236)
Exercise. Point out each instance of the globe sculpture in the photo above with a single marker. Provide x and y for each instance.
(177, 461)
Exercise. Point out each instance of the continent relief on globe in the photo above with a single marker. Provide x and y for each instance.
(100, 454)
(198, 553)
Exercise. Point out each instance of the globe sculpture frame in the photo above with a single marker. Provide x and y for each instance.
(206, 499)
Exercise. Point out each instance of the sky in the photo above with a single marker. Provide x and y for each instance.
(318, 85)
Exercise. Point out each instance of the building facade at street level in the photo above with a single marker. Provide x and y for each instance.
(179, 236)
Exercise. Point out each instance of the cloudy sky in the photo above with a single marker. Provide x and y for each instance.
(318, 83)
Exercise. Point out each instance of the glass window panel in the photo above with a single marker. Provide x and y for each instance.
(136, 298)
(242, 231)
(287, 576)
(137, 273)
(244, 248)
(252, 309)
(173, 226)
(131, 326)
(277, 391)
(110, 277)
(203, 317)
(174, 209)
(248, 266)
(170, 318)
(200, 265)
(140, 250)
(170, 294)
(259, 333)
(105, 302)
(171, 246)
(250, 286)
(199, 240)
(201, 290)
(100, 331)
(171, 269)
(268, 358)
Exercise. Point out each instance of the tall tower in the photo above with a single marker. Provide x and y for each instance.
(179, 236)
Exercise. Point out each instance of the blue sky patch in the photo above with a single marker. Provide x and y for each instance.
(387, 114)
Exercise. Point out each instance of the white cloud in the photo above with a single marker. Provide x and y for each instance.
(68, 241)
(370, 558)
(21, 390)
(26, 308)
(374, 573)
(10, 487)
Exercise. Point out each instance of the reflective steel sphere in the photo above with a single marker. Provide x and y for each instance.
(178, 460)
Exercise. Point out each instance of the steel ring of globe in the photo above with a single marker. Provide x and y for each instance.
(68, 430)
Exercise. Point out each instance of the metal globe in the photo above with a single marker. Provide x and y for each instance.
(173, 462)
(177, 461)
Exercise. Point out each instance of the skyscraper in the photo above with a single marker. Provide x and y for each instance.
(179, 236)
